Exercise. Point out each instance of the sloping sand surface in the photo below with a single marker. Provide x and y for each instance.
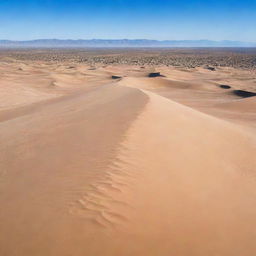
(48, 161)
(136, 166)
(193, 183)
(200, 89)
(241, 105)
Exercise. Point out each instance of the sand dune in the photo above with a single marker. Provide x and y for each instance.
(133, 166)
(240, 105)
(194, 186)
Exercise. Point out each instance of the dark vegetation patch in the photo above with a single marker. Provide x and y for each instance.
(116, 77)
(224, 86)
(244, 94)
(209, 68)
(155, 74)
(244, 58)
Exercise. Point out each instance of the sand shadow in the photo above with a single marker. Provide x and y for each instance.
(224, 86)
(116, 77)
(244, 94)
(155, 74)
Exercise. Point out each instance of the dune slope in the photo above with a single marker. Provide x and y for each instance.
(49, 159)
(117, 169)
(192, 183)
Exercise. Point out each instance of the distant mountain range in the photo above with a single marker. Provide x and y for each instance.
(57, 43)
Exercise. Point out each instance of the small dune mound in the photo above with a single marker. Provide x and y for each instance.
(154, 74)
(244, 94)
(224, 86)
(53, 83)
(116, 77)
(244, 105)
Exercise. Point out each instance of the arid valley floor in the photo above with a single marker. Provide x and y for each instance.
(117, 152)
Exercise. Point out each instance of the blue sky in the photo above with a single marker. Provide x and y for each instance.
(149, 19)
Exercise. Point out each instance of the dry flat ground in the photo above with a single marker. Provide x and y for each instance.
(117, 159)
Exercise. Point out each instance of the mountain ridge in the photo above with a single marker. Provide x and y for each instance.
(58, 43)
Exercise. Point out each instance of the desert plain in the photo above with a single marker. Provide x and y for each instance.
(121, 152)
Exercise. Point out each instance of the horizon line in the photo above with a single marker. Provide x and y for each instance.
(127, 39)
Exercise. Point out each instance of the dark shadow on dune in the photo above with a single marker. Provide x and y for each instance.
(209, 68)
(116, 77)
(224, 86)
(155, 74)
(244, 94)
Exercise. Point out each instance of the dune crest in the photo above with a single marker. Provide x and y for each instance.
(191, 180)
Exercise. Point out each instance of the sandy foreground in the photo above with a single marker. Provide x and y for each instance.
(92, 164)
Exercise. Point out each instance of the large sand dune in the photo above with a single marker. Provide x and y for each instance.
(92, 165)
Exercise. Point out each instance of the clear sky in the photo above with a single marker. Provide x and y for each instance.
(115, 19)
